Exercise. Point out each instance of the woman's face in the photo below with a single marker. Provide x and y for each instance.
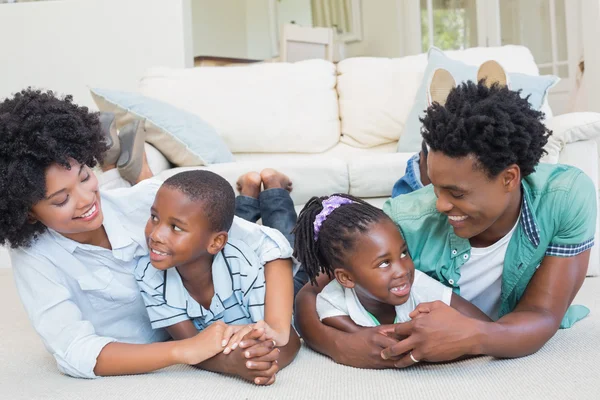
(72, 203)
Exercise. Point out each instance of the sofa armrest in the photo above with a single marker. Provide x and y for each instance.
(584, 155)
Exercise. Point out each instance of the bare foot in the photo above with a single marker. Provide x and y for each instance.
(273, 179)
(249, 184)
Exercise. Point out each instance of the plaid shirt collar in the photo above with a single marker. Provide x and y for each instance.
(528, 221)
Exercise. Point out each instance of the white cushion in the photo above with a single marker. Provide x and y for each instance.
(569, 128)
(269, 108)
(377, 94)
(375, 175)
(317, 177)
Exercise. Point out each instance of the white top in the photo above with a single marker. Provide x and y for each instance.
(481, 276)
(238, 278)
(335, 300)
(81, 297)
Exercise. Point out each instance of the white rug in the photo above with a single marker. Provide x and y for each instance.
(568, 367)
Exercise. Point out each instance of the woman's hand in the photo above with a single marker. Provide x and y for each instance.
(238, 332)
(280, 338)
(438, 332)
(206, 344)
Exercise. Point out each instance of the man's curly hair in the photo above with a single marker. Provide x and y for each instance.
(38, 129)
(496, 125)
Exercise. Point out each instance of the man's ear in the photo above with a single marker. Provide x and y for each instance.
(344, 277)
(511, 178)
(217, 242)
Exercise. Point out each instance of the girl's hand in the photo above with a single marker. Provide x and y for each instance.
(233, 336)
(204, 345)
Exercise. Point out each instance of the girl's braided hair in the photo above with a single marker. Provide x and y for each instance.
(337, 236)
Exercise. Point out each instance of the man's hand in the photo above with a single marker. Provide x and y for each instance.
(438, 333)
(362, 349)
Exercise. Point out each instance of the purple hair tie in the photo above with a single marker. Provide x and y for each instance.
(329, 205)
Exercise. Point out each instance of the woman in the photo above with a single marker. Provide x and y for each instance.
(74, 248)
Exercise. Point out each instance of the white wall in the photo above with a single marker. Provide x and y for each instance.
(382, 33)
(591, 52)
(69, 45)
(298, 11)
(219, 28)
(258, 30)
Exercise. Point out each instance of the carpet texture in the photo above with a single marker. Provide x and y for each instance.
(568, 367)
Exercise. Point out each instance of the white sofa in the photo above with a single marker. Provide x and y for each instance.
(331, 128)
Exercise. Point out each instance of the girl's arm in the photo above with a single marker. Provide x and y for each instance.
(279, 299)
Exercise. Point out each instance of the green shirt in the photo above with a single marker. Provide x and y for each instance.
(558, 218)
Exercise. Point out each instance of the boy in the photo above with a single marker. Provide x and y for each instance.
(196, 274)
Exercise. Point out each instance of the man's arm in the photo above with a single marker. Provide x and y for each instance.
(467, 308)
(538, 315)
(360, 349)
(443, 334)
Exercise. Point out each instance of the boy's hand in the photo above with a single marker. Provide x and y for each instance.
(205, 344)
(260, 358)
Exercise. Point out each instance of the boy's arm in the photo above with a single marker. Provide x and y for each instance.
(279, 298)
(182, 330)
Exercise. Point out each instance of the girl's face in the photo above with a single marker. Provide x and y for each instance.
(379, 268)
(72, 203)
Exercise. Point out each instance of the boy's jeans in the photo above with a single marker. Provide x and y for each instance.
(276, 208)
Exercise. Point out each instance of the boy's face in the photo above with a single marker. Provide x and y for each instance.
(380, 267)
(177, 232)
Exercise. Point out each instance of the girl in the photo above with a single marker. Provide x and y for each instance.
(375, 279)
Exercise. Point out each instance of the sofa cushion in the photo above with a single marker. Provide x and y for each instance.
(376, 95)
(267, 108)
(533, 86)
(374, 175)
(184, 138)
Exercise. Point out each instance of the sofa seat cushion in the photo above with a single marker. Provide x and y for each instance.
(266, 108)
(374, 175)
(312, 177)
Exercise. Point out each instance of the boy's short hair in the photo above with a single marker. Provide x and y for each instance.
(213, 191)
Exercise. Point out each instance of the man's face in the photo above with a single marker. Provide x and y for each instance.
(472, 200)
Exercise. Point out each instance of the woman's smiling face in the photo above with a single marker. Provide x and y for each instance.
(72, 203)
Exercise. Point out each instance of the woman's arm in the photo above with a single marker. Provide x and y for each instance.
(279, 298)
(127, 359)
